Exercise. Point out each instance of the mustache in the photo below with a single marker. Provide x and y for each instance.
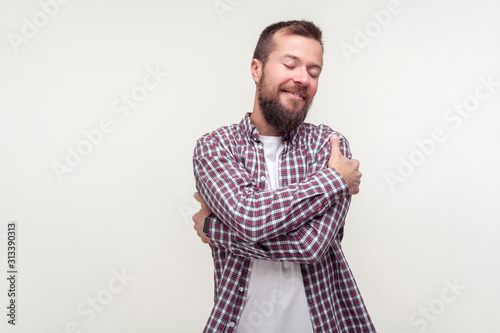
(296, 89)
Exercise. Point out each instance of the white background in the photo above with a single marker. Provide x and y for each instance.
(127, 206)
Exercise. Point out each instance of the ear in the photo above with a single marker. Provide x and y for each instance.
(256, 68)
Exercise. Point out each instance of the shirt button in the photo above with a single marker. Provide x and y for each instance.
(259, 146)
(241, 288)
(337, 197)
(263, 178)
(231, 324)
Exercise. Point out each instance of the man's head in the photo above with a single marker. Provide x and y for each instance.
(286, 67)
(266, 43)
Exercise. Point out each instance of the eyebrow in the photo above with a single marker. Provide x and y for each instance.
(294, 57)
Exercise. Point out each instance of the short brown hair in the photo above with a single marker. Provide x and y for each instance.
(266, 42)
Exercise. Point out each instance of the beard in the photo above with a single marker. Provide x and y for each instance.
(278, 115)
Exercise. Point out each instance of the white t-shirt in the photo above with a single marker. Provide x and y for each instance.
(276, 299)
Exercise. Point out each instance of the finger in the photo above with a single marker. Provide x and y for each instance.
(198, 198)
(204, 238)
(334, 141)
(356, 164)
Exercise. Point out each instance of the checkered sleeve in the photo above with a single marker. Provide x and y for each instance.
(255, 215)
(305, 245)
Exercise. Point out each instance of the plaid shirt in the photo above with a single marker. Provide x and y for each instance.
(302, 221)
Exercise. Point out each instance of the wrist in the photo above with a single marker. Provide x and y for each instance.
(206, 224)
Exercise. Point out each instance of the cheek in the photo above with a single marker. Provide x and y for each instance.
(313, 88)
(281, 76)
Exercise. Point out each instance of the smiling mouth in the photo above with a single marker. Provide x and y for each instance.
(295, 95)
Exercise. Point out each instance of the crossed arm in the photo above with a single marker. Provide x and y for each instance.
(305, 245)
(294, 223)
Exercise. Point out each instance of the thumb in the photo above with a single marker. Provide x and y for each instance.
(334, 141)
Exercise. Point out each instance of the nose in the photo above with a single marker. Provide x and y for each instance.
(301, 76)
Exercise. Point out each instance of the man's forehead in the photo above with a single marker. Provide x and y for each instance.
(288, 45)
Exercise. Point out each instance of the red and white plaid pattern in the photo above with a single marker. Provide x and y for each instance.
(302, 221)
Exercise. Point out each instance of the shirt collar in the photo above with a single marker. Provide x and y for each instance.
(249, 128)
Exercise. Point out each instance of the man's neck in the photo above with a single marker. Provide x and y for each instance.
(258, 120)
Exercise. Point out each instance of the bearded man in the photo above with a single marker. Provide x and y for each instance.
(275, 192)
